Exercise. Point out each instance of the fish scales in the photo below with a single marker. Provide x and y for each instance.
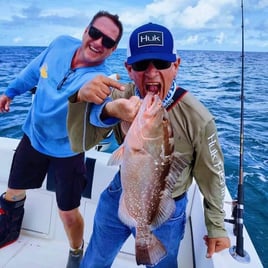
(149, 169)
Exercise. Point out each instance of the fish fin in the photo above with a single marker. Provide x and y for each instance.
(167, 204)
(178, 164)
(125, 126)
(117, 156)
(149, 253)
(166, 209)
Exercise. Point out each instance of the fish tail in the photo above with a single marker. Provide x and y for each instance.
(149, 250)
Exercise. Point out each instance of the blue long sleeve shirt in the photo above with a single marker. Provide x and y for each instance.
(56, 81)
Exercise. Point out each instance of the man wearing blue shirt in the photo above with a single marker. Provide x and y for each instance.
(64, 67)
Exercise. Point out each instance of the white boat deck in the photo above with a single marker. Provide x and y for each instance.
(43, 244)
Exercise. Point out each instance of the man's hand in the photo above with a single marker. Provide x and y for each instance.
(98, 89)
(4, 103)
(124, 109)
(216, 244)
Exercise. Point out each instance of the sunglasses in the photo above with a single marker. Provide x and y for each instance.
(141, 66)
(95, 34)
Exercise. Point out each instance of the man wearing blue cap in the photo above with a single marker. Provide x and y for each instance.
(152, 64)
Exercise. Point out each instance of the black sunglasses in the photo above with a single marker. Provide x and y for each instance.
(95, 34)
(141, 66)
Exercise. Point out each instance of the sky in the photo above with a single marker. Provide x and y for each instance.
(195, 24)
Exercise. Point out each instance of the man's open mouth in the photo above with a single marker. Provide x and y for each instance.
(153, 87)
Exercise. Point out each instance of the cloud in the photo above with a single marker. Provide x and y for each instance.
(192, 39)
(262, 4)
(17, 40)
(220, 38)
(180, 14)
(39, 26)
(195, 23)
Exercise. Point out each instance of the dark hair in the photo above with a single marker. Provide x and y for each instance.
(114, 18)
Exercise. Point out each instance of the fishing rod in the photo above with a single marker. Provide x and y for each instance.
(238, 251)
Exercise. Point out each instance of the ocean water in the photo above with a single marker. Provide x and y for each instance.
(215, 78)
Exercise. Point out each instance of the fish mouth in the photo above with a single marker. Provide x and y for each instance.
(154, 88)
(153, 103)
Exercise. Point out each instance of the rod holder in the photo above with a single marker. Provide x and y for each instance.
(243, 259)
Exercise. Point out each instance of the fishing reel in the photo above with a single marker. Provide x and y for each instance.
(233, 221)
(237, 251)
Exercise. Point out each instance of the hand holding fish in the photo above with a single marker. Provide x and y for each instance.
(124, 109)
(96, 90)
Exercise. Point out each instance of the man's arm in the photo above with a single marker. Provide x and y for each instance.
(90, 117)
(209, 174)
(123, 109)
(98, 89)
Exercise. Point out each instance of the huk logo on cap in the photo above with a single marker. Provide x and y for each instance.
(150, 38)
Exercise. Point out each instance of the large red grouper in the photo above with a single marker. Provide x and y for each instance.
(149, 169)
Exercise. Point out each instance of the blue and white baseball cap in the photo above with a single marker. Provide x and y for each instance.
(151, 41)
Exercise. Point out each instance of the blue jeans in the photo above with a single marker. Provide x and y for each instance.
(109, 233)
